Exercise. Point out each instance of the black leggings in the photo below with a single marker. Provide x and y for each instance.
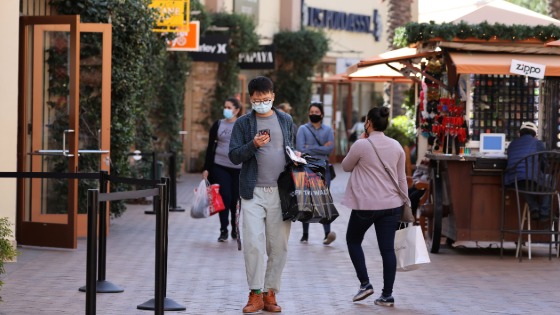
(228, 178)
(386, 223)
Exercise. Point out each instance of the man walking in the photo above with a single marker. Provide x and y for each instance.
(258, 140)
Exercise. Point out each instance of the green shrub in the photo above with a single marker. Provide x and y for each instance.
(7, 250)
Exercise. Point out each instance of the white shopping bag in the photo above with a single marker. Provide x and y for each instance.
(410, 248)
(201, 205)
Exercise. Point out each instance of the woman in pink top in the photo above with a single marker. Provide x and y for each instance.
(374, 200)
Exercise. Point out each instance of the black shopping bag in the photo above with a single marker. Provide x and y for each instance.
(323, 207)
(304, 195)
(293, 199)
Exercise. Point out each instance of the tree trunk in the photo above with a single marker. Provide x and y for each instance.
(553, 7)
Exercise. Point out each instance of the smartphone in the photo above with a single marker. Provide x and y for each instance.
(264, 132)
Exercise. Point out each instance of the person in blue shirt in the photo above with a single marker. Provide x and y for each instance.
(317, 140)
(526, 144)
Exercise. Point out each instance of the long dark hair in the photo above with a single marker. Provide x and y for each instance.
(236, 103)
(379, 117)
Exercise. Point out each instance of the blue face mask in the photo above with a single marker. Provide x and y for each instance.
(262, 108)
(228, 113)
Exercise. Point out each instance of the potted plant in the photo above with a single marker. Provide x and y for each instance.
(8, 251)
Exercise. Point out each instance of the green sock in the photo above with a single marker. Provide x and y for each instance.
(257, 291)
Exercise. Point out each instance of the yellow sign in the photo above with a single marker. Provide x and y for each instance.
(172, 15)
(188, 38)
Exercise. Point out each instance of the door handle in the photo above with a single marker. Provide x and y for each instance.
(64, 143)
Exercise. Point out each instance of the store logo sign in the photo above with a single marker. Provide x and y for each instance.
(533, 70)
(337, 20)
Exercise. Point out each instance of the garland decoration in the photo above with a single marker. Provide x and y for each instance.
(425, 32)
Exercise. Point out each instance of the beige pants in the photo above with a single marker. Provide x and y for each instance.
(264, 233)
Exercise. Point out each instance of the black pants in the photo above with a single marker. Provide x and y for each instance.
(228, 178)
(386, 223)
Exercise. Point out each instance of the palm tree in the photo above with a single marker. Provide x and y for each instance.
(399, 12)
(553, 8)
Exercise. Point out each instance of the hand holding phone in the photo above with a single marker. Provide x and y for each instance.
(264, 132)
(260, 138)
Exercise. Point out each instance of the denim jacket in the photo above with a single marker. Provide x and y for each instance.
(243, 150)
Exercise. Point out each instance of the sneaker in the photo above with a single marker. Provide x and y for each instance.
(255, 303)
(223, 236)
(233, 235)
(330, 238)
(385, 301)
(270, 304)
(364, 292)
(304, 238)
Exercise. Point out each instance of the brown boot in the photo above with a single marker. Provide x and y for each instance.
(255, 303)
(270, 304)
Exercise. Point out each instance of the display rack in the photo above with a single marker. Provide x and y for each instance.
(501, 103)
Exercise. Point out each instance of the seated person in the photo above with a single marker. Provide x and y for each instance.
(526, 144)
(420, 175)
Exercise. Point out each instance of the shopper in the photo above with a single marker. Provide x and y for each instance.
(374, 200)
(286, 108)
(526, 144)
(317, 140)
(258, 140)
(218, 169)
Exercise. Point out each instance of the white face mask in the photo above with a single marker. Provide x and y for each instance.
(228, 113)
(262, 108)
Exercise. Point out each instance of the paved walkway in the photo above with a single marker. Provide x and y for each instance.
(208, 277)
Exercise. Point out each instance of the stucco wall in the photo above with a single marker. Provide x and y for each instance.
(9, 21)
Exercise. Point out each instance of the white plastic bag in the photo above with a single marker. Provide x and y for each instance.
(410, 248)
(201, 204)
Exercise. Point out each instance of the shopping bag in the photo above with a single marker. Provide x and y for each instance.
(291, 187)
(324, 210)
(216, 201)
(304, 195)
(201, 205)
(410, 248)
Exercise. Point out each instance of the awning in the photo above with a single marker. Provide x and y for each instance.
(377, 73)
(500, 63)
(395, 56)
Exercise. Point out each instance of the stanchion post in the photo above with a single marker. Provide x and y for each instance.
(102, 256)
(173, 183)
(91, 264)
(154, 174)
(162, 223)
(102, 285)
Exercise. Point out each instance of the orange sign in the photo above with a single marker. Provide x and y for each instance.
(188, 38)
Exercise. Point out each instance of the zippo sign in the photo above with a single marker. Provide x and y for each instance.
(529, 69)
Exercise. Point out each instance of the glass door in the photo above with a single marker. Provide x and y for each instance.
(64, 124)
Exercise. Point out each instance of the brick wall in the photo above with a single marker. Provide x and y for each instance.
(198, 96)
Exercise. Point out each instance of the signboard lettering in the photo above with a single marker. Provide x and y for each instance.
(529, 69)
(337, 20)
(262, 59)
(213, 47)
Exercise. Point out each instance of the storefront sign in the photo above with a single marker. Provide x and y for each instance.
(337, 20)
(529, 69)
(172, 15)
(188, 38)
(262, 59)
(212, 48)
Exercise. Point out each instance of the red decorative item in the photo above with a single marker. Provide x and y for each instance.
(216, 201)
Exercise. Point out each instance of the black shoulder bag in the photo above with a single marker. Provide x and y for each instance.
(329, 165)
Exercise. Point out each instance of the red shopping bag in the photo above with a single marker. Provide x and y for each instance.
(216, 201)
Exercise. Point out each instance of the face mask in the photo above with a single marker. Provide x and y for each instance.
(315, 118)
(262, 108)
(228, 113)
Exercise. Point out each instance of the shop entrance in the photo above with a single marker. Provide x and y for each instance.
(64, 124)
